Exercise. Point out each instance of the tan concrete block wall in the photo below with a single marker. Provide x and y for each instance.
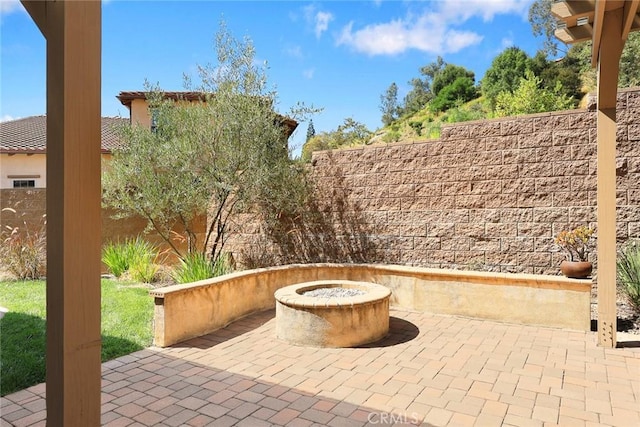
(30, 206)
(488, 195)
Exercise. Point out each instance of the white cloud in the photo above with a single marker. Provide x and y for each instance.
(10, 6)
(8, 118)
(294, 51)
(486, 9)
(425, 33)
(318, 19)
(455, 41)
(322, 22)
(438, 30)
(506, 42)
(308, 73)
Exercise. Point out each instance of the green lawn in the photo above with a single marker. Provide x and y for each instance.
(127, 313)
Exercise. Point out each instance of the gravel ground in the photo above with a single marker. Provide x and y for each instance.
(333, 292)
(628, 320)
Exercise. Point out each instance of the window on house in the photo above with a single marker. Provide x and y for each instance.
(24, 183)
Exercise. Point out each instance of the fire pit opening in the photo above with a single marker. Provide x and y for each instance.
(332, 313)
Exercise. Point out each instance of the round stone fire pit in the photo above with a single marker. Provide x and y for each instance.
(332, 319)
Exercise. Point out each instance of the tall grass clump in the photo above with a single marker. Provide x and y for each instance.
(628, 271)
(135, 256)
(196, 266)
(115, 258)
(23, 249)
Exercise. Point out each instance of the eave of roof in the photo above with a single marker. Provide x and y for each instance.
(581, 20)
(127, 97)
(29, 135)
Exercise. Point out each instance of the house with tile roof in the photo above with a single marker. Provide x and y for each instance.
(23, 149)
(23, 142)
(139, 112)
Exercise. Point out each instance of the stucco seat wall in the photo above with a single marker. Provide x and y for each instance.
(195, 309)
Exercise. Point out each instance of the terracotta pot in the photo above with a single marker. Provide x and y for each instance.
(576, 269)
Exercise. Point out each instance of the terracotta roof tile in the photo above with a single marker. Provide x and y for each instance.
(126, 97)
(29, 135)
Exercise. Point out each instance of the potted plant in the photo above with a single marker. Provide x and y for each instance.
(576, 244)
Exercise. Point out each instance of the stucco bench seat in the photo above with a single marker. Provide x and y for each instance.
(194, 309)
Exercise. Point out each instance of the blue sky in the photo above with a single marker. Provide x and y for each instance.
(338, 55)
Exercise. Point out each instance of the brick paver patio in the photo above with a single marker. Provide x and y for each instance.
(436, 370)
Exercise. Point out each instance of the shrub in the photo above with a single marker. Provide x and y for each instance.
(23, 250)
(416, 126)
(531, 97)
(464, 114)
(144, 271)
(433, 130)
(576, 243)
(391, 136)
(196, 266)
(460, 91)
(136, 256)
(115, 258)
(628, 271)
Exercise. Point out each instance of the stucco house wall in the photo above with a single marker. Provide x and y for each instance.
(23, 167)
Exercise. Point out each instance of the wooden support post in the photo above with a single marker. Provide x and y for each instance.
(608, 68)
(73, 33)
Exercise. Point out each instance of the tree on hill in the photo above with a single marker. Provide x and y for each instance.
(460, 91)
(389, 104)
(311, 131)
(430, 71)
(449, 74)
(504, 74)
(212, 159)
(421, 92)
(629, 64)
(543, 24)
(565, 70)
(532, 97)
(349, 133)
(416, 99)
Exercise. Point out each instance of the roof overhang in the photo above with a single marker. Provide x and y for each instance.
(581, 20)
(127, 97)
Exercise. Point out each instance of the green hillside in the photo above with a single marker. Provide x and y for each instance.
(514, 84)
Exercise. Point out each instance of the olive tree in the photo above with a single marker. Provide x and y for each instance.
(213, 158)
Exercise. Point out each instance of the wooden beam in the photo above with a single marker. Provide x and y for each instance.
(608, 56)
(574, 34)
(37, 9)
(575, 8)
(630, 10)
(598, 17)
(73, 32)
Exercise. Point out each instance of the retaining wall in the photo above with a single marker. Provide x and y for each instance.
(489, 195)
